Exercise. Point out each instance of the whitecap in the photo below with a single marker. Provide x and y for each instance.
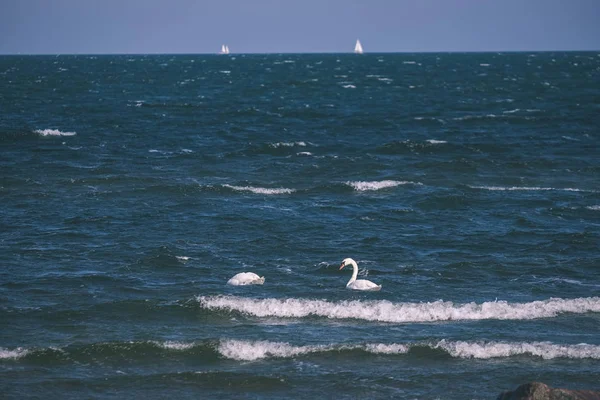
(594, 208)
(382, 348)
(362, 186)
(386, 311)
(545, 350)
(53, 132)
(433, 141)
(527, 188)
(349, 87)
(260, 190)
(173, 345)
(12, 354)
(287, 144)
(254, 350)
(246, 350)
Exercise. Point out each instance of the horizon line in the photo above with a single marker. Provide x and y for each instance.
(350, 52)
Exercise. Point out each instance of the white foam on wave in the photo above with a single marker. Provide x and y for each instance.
(245, 350)
(173, 345)
(349, 86)
(12, 354)
(382, 348)
(433, 141)
(386, 311)
(475, 117)
(287, 144)
(594, 208)
(545, 350)
(527, 188)
(255, 350)
(260, 190)
(53, 132)
(362, 186)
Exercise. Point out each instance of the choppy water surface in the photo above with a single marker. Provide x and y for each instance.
(133, 187)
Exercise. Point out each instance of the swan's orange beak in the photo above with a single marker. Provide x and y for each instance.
(342, 266)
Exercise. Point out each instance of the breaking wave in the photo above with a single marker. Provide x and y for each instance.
(12, 354)
(211, 351)
(386, 311)
(527, 188)
(260, 190)
(53, 132)
(244, 350)
(363, 186)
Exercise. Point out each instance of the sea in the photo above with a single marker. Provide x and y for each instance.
(133, 187)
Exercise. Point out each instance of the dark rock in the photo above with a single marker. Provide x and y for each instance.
(540, 391)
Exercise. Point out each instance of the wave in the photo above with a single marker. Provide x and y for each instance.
(252, 350)
(514, 116)
(97, 352)
(12, 354)
(244, 350)
(53, 132)
(386, 311)
(362, 186)
(528, 188)
(428, 146)
(281, 149)
(545, 350)
(287, 144)
(260, 190)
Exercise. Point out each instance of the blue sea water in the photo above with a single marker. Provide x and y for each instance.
(134, 186)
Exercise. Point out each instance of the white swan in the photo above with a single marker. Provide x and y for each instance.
(358, 284)
(246, 278)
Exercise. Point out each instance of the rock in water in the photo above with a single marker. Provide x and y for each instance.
(541, 391)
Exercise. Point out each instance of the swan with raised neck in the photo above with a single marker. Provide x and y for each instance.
(358, 284)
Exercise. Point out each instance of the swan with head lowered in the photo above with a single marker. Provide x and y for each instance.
(358, 284)
(246, 278)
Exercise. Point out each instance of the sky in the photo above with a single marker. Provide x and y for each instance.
(295, 26)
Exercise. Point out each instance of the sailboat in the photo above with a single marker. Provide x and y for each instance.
(224, 49)
(358, 48)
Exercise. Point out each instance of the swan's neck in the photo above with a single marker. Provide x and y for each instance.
(354, 272)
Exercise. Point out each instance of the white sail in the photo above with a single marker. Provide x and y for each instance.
(224, 49)
(358, 48)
